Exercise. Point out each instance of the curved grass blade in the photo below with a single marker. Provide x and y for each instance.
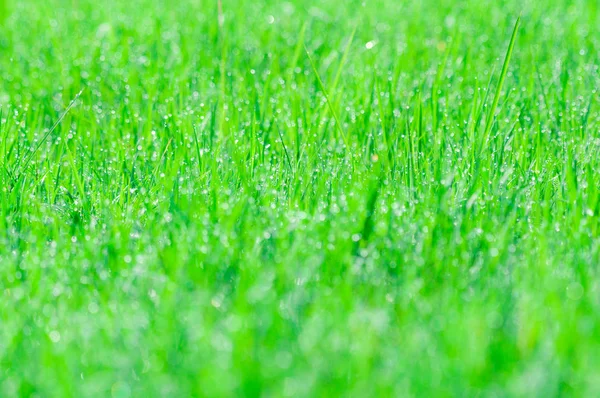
(491, 115)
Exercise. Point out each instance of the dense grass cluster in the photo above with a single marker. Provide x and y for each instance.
(299, 198)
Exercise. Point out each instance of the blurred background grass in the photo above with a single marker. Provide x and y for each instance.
(195, 225)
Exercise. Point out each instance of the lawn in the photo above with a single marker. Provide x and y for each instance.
(295, 198)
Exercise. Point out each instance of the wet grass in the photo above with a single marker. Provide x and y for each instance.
(296, 199)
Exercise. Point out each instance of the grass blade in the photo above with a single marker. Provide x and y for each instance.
(509, 51)
(322, 87)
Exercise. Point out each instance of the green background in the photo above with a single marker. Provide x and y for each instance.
(196, 223)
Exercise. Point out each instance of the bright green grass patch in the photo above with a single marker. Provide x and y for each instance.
(391, 198)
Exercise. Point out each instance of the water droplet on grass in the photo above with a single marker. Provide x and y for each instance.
(54, 336)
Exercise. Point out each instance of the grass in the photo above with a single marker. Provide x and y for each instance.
(299, 199)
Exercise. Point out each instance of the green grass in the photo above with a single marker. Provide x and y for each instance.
(391, 198)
